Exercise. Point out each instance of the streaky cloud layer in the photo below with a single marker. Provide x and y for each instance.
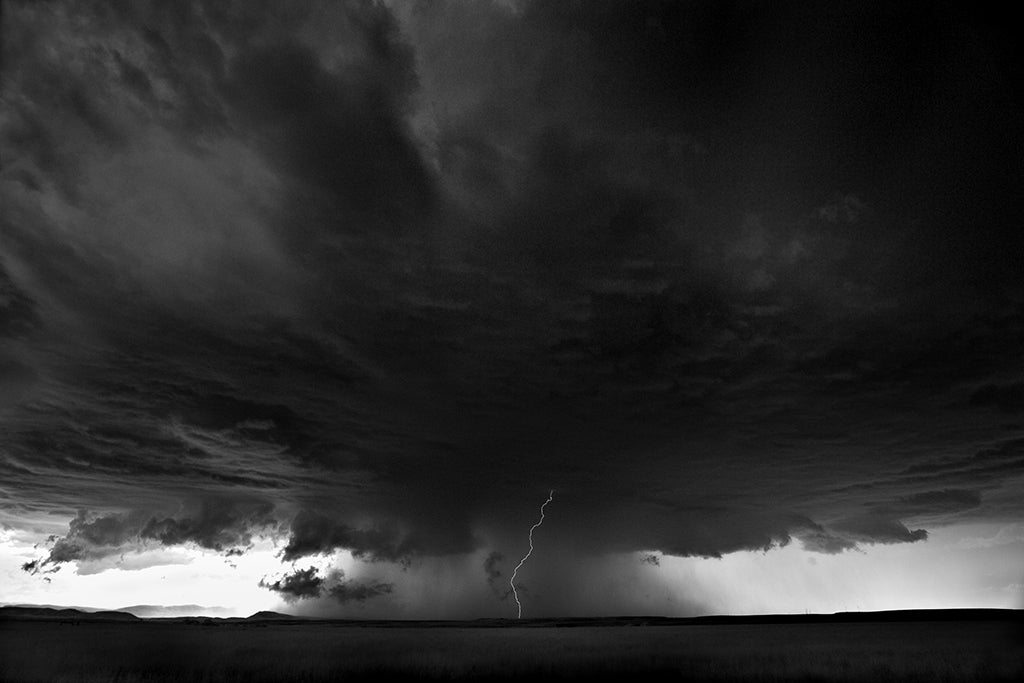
(317, 272)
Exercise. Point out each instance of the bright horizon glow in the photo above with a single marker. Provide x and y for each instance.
(969, 565)
(962, 566)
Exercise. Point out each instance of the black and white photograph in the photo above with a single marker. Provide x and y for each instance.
(500, 340)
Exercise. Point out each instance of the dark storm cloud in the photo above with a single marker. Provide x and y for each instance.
(355, 591)
(215, 524)
(723, 276)
(36, 566)
(870, 529)
(495, 577)
(880, 522)
(89, 537)
(17, 319)
(302, 583)
(848, 534)
(17, 310)
(342, 135)
(218, 525)
(1007, 457)
(818, 540)
(946, 500)
(314, 534)
(1006, 397)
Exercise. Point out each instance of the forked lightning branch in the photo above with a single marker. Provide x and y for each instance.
(512, 581)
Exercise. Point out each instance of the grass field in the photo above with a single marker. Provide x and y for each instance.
(47, 651)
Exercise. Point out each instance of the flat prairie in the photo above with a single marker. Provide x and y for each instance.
(235, 651)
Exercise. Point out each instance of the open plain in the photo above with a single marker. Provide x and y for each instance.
(101, 651)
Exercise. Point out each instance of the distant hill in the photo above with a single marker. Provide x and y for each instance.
(66, 614)
(267, 615)
(80, 608)
(32, 612)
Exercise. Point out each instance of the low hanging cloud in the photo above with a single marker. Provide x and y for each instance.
(300, 584)
(851, 533)
(304, 584)
(356, 591)
(819, 540)
(92, 537)
(651, 559)
(223, 525)
(874, 529)
(220, 525)
(882, 525)
(316, 534)
(36, 566)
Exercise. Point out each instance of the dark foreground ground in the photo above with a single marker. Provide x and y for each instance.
(258, 651)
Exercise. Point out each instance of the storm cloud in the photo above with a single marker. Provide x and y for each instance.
(303, 584)
(94, 537)
(353, 591)
(492, 568)
(221, 524)
(313, 534)
(218, 525)
(372, 277)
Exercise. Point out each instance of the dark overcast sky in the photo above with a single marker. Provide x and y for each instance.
(376, 277)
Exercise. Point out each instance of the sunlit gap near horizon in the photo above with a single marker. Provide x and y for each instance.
(941, 573)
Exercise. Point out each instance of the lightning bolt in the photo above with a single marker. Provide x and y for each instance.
(512, 581)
